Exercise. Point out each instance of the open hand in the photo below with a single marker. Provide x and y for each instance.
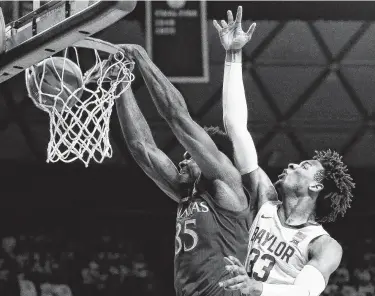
(240, 279)
(232, 36)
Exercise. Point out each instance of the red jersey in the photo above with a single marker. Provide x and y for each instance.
(205, 234)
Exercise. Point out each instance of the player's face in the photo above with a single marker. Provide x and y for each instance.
(299, 177)
(189, 170)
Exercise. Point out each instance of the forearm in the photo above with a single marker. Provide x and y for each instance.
(235, 114)
(167, 99)
(142, 146)
(309, 282)
(234, 99)
(133, 124)
(281, 290)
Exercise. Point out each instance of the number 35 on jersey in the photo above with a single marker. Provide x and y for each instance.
(186, 238)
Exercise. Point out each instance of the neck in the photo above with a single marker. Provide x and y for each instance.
(297, 210)
(186, 189)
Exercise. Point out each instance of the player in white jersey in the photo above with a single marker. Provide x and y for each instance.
(289, 254)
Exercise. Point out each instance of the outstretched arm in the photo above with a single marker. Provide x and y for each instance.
(233, 38)
(325, 255)
(172, 107)
(234, 100)
(142, 146)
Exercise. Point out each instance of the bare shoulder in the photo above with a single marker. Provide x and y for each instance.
(230, 193)
(260, 187)
(325, 254)
(323, 244)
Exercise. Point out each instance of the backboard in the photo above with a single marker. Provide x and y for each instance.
(53, 27)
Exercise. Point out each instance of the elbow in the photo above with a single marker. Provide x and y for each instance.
(229, 128)
(235, 130)
(233, 125)
(305, 292)
(302, 291)
(229, 125)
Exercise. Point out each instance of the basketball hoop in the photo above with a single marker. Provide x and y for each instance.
(79, 119)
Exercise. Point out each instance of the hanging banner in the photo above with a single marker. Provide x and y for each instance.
(176, 39)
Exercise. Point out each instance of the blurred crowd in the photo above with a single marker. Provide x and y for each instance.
(44, 265)
(49, 264)
(356, 273)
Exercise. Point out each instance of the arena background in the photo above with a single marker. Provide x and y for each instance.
(108, 230)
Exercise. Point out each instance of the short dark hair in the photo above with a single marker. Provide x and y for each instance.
(338, 185)
(222, 140)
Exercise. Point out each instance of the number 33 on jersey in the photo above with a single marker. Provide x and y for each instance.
(277, 253)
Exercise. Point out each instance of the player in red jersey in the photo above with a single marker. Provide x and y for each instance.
(213, 214)
(289, 252)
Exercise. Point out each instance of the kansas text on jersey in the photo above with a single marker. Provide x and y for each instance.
(205, 234)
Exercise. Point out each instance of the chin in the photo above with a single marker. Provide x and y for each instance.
(186, 184)
(187, 179)
(278, 183)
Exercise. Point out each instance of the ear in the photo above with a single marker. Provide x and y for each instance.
(316, 187)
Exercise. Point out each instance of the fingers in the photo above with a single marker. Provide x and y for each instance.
(236, 269)
(129, 49)
(230, 16)
(216, 25)
(235, 265)
(224, 24)
(228, 267)
(126, 51)
(236, 287)
(235, 261)
(233, 281)
(251, 30)
(239, 14)
(228, 261)
(111, 57)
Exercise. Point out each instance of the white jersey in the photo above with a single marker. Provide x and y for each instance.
(276, 253)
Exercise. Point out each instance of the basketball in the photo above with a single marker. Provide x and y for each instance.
(176, 4)
(54, 82)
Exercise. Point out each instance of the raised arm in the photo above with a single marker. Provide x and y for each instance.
(325, 257)
(233, 38)
(172, 107)
(234, 100)
(142, 146)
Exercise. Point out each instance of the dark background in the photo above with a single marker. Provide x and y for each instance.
(309, 79)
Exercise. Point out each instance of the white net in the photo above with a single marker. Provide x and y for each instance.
(80, 117)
